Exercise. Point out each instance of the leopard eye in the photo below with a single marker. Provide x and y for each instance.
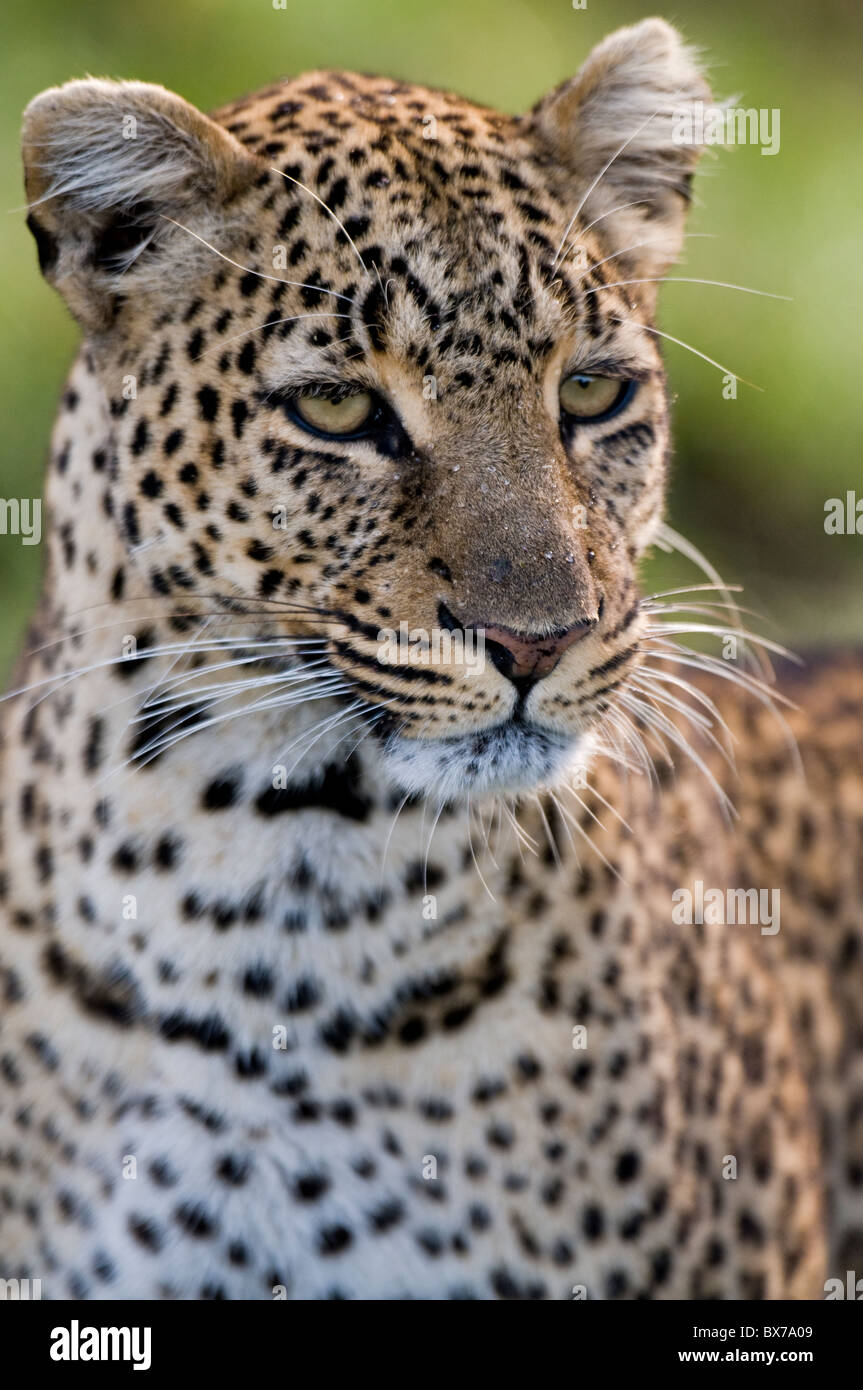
(341, 417)
(584, 397)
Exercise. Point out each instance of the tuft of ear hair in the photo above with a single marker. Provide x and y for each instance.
(614, 133)
(105, 164)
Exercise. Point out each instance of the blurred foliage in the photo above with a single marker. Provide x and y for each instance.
(751, 475)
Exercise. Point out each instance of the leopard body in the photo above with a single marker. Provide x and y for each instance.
(364, 981)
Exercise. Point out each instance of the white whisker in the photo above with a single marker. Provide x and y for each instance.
(297, 284)
(327, 210)
(605, 168)
(689, 348)
(268, 323)
(686, 280)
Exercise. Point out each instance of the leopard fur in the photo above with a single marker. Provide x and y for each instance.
(356, 980)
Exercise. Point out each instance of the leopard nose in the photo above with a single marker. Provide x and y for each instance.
(523, 657)
(526, 656)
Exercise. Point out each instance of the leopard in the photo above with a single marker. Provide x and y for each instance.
(352, 783)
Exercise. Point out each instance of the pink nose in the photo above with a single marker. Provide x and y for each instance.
(519, 655)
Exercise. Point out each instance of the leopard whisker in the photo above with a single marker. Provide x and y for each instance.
(171, 738)
(668, 539)
(569, 786)
(373, 720)
(297, 284)
(678, 629)
(621, 207)
(220, 691)
(496, 826)
(687, 280)
(719, 587)
(619, 720)
(60, 679)
(328, 210)
(668, 678)
(227, 640)
(469, 813)
(269, 323)
(700, 721)
(605, 168)
(580, 830)
(365, 726)
(698, 610)
(666, 650)
(324, 726)
(523, 837)
(405, 799)
(726, 371)
(771, 699)
(293, 675)
(636, 246)
(555, 801)
(654, 719)
(427, 852)
(552, 843)
(179, 657)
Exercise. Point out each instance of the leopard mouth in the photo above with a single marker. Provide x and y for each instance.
(510, 758)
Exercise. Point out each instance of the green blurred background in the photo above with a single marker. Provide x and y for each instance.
(751, 474)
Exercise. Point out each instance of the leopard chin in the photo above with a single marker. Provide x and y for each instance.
(511, 758)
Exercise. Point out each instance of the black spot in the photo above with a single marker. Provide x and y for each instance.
(250, 1063)
(147, 1233)
(234, 1169)
(163, 1174)
(208, 1032)
(208, 402)
(593, 1222)
(239, 415)
(338, 791)
(628, 1166)
(332, 1240)
(258, 981)
(195, 1219)
(167, 853)
(308, 1187)
(93, 749)
(373, 317)
(124, 859)
(222, 792)
(141, 437)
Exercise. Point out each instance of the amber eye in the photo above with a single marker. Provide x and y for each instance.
(584, 397)
(341, 417)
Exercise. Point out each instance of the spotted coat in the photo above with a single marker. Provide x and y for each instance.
(326, 978)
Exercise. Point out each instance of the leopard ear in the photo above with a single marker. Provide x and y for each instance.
(105, 165)
(620, 132)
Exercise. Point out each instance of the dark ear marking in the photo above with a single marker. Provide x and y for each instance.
(46, 245)
(125, 238)
(609, 137)
(107, 167)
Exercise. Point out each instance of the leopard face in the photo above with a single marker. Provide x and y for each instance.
(380, 360)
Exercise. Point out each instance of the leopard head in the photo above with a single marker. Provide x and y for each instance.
(395, 380)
